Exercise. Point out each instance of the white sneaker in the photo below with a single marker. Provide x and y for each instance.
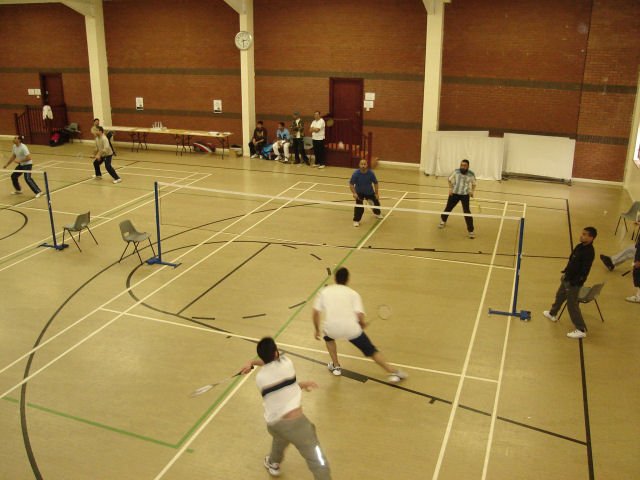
(97, 177)
(577, 334)
(442, 224)
(633, 299)
(39, 194)
(272, 468)
(117, 180)
(547, 314)
(337, 371)
(397, 376)
(321, 166)
(356, 224)
(472, 235)
(379, 216)
(254, 156)
(16, 192)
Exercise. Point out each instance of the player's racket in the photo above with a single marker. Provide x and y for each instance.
(205, 388)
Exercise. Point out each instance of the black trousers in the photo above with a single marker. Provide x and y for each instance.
(107, 165)
(298, 150)
(318, 151)
(359, 211)
(256, 149)
(452, 202)
(27, 178)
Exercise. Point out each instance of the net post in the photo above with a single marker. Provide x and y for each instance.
(157, 260)
(55, 245)
(518, 261)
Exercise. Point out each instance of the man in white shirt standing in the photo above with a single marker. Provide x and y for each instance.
(344, 318)
(317, 135)
(21, 155)
(104, 153)
(281, 398)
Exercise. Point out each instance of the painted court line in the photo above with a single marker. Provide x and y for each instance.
(496, 399)
(50, 339)
(291, 346)
(325, 202)
(58, 233)
(169, 282)
(456, 402)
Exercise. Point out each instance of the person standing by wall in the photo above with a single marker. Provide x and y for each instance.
(282, 399)
(462, 185)
(574, 276)
(317, 135)
(104, 154)
(297, 133)
(20, 154)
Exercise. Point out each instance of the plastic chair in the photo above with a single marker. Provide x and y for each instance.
(73, 131)
(82, 222)
(588, 295)
(631, 215)
(131, 235)
(308, 146)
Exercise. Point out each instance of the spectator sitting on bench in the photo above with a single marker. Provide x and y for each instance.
(258, 141)
(283, 140)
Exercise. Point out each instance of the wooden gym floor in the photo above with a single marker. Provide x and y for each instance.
(97, 358)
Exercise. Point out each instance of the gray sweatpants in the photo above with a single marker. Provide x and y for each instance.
(302, 433)
(567, 292)
(623, 255)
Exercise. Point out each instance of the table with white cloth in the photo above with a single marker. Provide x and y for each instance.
(182, 137)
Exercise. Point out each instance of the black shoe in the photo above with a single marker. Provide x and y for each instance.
(607, 262)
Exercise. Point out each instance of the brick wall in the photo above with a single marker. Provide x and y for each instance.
(555, 67)
(613, 56)
(544, 67)
(40, 38)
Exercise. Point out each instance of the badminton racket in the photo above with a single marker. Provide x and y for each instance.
(205, 388)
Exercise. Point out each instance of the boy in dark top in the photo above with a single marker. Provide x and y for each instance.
(574, 276)
(364, 186)
(258, 141)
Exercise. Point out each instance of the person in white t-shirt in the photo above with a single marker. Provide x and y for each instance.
(344, 319)
(281, 398)
(20, 154)
(317, 135)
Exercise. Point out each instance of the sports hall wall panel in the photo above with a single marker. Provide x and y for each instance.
(177, 56)
(556, 67)
(41, 38)
(377, 40)
(540, 67)
(610, 78)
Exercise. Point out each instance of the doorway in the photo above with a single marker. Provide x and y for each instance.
(345, 98)
(52, 89)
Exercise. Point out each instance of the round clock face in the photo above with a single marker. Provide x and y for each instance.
(244, 40)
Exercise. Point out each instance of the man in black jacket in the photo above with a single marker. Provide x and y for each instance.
(574, 276)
